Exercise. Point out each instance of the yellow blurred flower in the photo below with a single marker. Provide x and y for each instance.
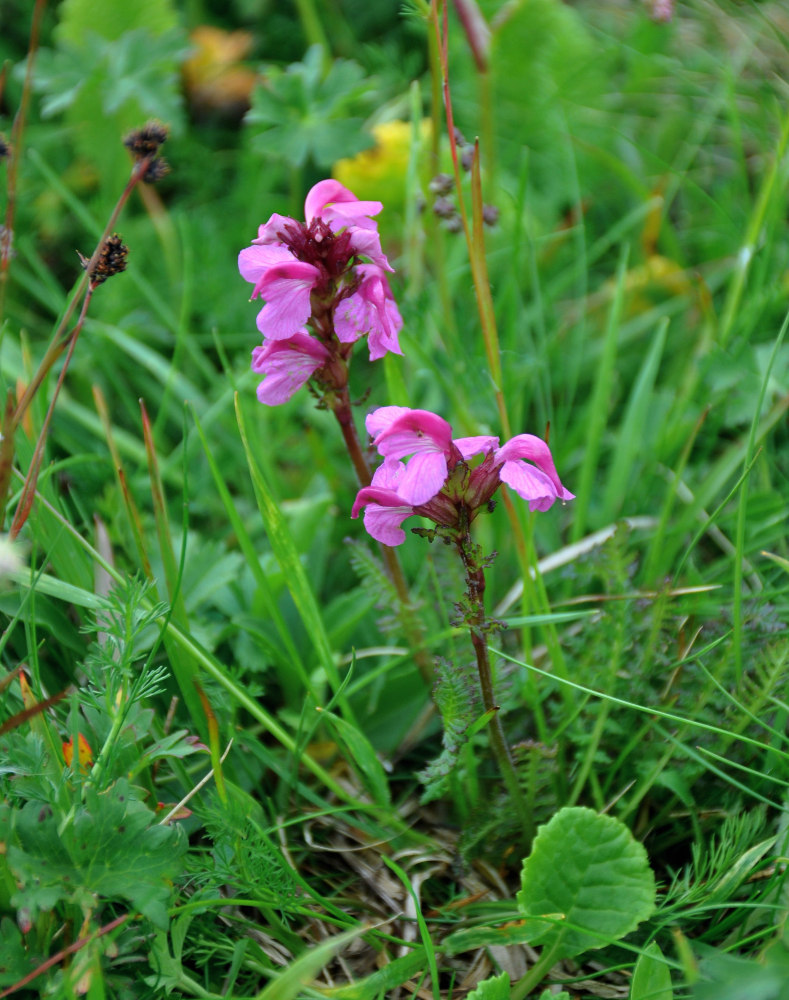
(379, 173)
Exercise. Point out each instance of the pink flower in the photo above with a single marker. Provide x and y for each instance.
(287, 364)
(385, 509)
(286, 286)
(370, 310)
(338, 206)
(438, 482)
(526, 465)
(423, 435)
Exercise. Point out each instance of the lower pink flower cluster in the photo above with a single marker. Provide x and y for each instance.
(438, 481)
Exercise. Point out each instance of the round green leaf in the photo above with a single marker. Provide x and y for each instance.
(591, 876)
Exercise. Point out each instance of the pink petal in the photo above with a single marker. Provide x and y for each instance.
(287, 365)
(382, 418)
(321, 194)
(428, 438)
(480, 445)
(389, 474)
(386, 509)
(286, 289)
(383, 523)
(424, 476)
(383, 337)
(356, 214)
(415, 432)
(367, 243)
(351, 318)
(380, 495)
(254, 261)
(332, 202)
(269, 231)
(370, 310)
(538, 483)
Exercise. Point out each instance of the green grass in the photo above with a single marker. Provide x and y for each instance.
(191, 595)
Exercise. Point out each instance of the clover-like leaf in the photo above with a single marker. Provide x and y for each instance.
(590, 876)
(304, 112)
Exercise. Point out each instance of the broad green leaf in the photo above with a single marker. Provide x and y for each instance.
(651, 976)
(52, 587)
(16, 960)
(112, 847)
(495, 988)
(591, 876)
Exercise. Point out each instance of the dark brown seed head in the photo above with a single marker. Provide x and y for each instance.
(157, 168)
(146, 141)
(111, 260)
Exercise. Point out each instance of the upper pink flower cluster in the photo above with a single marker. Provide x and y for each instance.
(325, 276)
(437, 482)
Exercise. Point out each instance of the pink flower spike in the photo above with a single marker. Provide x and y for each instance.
(334, 203)
(286, 288)
(538, 483)
(479, 445)
(287, 365)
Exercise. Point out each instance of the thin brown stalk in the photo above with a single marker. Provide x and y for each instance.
(17, 135)
(29, 488)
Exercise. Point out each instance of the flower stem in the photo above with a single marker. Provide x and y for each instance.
(29, 489)
(475, 578)
(59, 343)
(341, 407)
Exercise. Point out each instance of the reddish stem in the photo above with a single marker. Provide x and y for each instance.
(64, 953)
(29, 488)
